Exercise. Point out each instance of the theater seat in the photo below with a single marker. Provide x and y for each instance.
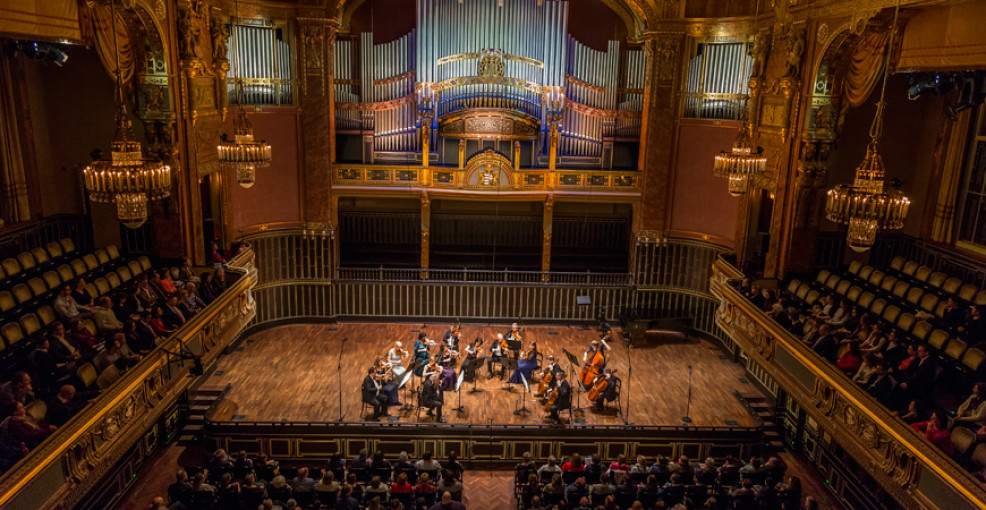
(91, 261)
(963, 439)
(6, 301)
(968, 291)
(38, 286)
(54, 250)
(937, 339)
(922, 273)
(65, 273)
(87, 375)
(897, 263)
(937, 279)
(101, 256)
(67, 245)
(910, 267)
(79, 267)
(47, 315)
(951, 285)
(921, 330)
(40, 255)
(22, 293)
(855, 266)
(52, 279)
(12, 333)
(26, 261)
(973, 359)
(113, 252)
(10, 267)
(30, 324)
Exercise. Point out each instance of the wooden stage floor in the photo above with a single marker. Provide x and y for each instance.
(289, 373)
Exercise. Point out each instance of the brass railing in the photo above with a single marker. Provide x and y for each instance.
(61, 471)
(399, 176)
(909, 468)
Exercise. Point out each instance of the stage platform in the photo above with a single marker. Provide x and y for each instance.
(288, 374)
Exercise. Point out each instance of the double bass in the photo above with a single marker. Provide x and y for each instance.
(593, 367)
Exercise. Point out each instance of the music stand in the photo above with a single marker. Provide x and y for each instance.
(462, 377)
(573, 361)
(511, 364)
(403, 385)
(475, 374)
(521, 400)
(516, 346)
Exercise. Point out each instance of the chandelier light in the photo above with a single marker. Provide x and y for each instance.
(866, 206)
(741, 163)
(127, 178)
(242, 154)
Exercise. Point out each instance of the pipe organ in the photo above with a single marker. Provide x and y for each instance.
(481, 74)
(717, 85)
(262, 58)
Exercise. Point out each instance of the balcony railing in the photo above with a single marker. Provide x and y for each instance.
(909, 468)
(396, 176)
(60, 472)
(482, 276)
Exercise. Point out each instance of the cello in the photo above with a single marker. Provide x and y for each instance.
(545, 382)
(593, 367)
(598, 388)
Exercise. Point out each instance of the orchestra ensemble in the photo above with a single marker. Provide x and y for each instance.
(433, 365)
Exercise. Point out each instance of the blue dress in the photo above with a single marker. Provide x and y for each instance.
(525, 366)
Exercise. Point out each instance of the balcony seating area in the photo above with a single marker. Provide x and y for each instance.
(53, 365)
(883, 320)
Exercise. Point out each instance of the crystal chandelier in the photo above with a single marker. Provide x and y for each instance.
(128, 178)
(865, 205)
(242, 154)
(741, 163)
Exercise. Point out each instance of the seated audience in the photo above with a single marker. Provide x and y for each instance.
(24, 428)
(104, 316)
(973, 410)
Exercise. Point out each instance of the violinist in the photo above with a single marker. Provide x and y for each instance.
(603, 389)
(372, 394)
(446, 356)
(395, 357)
(452, 336)
(559, 399)
(498, 351)
(526, 364)
(421, 354)
(385, 377)
(473, 358)
(514, 333)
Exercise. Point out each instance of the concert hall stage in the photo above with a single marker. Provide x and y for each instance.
(288, 373)
(282, 397)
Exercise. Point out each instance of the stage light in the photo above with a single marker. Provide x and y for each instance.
(920, 84)
(43, 52)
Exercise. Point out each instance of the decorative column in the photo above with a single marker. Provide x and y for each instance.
(516, 155)
(427, 97)
(316, 107)
(554, 111)
(657, 139)
(425, 234)
(462, 153)
(549, 208)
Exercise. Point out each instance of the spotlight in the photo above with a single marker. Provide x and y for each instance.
(43, 52)
(972, 94)
(920, 84)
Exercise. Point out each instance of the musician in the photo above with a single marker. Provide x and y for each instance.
(421, 354)
(446, 356)
(563, 400)
(395, 356)
(498, 351)
(473, 358)
(385, 378)
(526, 364)
(372, 394)
(596, 347)
(609, 394)
(553, 368)
(451, 338)
(514, 333)
(432, 397)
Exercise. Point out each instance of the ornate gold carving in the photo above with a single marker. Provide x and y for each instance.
(488, 80)
(491, 65)
(666, 53)
(489, 123)
(586, 85)
(485, 169)
(220, 38)
(605, 114)
(387, 81)
(189, 32)
(379, 106)
(477, 55)
(313, 36)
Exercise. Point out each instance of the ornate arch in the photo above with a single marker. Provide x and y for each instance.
(489, 170)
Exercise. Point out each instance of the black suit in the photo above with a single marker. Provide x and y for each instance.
(173, 318)
(882, 388)
(564, 400)
(432, 397)
(920, 377)
(827, 347)
(59, 413)
(372, 396)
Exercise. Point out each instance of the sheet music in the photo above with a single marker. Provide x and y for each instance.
(462, 377)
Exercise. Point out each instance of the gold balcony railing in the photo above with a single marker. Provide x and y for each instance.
(909, 468)
(60, 472)
(439, 178)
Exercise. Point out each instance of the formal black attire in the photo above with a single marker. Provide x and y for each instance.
(373, 396)
(564, 400)
(432, 397)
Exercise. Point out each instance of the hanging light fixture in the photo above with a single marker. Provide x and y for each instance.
(128, 178)
(242, 154)
(744, 161)
(865, 205)
(741, 163)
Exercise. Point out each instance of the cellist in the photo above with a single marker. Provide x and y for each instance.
(544, 382)
(603, 389)
(595, 361)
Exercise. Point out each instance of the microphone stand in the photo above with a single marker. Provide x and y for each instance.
(339, 376)
(626, 416)
(688, 405)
